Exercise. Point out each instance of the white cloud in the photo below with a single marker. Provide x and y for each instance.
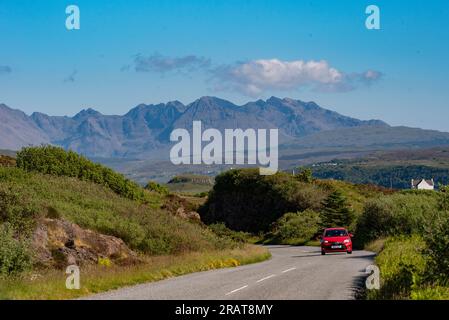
(255, 77)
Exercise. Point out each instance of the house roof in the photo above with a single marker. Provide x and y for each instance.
(418, 181)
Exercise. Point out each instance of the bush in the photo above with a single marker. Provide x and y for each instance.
(399, 214)
(222, 231)
(56, 161)
(296, 228)
(246, 201)
(436, 236)
(14, 254)
(156, 187)
(305, 175)
(16, 211)
(402, 267)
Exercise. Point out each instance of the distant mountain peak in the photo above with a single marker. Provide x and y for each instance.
(211, 100)
(89, 112)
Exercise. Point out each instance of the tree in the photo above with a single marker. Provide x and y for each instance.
(246, 201)
(305, 175)
(336, 212)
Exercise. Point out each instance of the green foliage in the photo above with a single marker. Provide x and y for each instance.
(399, 214)
(17, 211)
(402, 267)
(305, 175)
(398, 177)
(56, 161)
(145, 228)
(201, 194)
(222, 231)
(156, 187)
(296, 227)
(444, 198)
(430, 293)
(414, 262)
(15, 256)
(436, 236)
(246, 201)
(336, 211)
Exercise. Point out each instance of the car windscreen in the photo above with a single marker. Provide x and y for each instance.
(336, 233)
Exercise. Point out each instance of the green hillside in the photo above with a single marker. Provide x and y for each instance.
(99, 228)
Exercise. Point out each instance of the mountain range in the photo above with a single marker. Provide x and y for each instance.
(145, 129)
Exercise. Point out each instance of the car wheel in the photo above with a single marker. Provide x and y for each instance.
(349, 252)
(323, 253)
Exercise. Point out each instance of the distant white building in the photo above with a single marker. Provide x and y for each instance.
(423, 184)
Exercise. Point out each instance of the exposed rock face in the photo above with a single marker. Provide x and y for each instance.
(181, 208)
(191, 215)
(59, 243)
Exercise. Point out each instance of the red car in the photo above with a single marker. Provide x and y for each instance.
(336, 240)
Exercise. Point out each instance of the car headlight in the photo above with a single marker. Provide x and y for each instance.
(325, 241)
(346, 241)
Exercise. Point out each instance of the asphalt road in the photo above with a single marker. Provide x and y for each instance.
(292, 273)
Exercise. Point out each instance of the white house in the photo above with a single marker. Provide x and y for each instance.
(423, 184)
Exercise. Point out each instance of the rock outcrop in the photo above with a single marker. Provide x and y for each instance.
(59, 243)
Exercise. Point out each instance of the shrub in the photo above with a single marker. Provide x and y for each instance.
(436, 236)
(203, 194)
(296, 228)
(56, 161)
(14, 254)
(17, 211)
(305, 175)
(156, 187)
(246, 201)
(403, 213)
(402, 266)
(221, 230)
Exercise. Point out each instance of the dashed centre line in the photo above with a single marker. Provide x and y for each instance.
(260, 280)
(291, 269)
(266, 278)
(233, 291)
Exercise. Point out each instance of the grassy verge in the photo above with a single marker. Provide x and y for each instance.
(403, 270)
(375, 245)
(51, 285)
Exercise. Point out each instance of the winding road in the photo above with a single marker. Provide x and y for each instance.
(291, 273)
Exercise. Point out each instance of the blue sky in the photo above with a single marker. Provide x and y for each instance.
(131, 52)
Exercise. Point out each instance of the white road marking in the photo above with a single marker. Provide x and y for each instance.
(288, 270)
(266, 278)
(233, 291)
